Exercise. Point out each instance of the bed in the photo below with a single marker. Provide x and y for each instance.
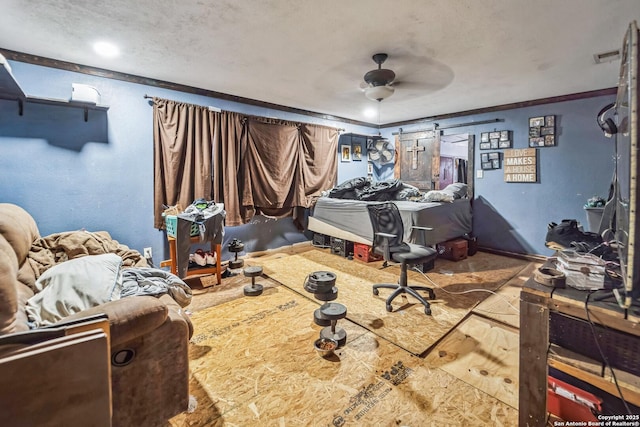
(349, 220)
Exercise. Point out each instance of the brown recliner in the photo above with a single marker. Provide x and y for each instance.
(148, 335)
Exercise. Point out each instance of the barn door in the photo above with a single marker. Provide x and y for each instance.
(419, 158)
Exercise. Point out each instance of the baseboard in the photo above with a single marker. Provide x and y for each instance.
(526, 257)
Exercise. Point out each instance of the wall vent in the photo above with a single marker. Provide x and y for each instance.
(610, 56)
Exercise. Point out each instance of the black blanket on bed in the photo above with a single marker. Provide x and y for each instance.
(362, 188)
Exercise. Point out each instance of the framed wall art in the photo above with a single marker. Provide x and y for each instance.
(490, 160)
(345, 153)
(357, 152)
(542, 131)
(495, 140)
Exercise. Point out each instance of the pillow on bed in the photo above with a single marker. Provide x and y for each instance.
(407, 191)
(457, 189)
(438, 196)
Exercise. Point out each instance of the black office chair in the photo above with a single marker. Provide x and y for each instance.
(388, 233)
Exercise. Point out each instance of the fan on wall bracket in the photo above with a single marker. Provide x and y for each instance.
(380, 151)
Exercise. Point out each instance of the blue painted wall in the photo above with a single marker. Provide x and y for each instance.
(513, 217)
(98, 175)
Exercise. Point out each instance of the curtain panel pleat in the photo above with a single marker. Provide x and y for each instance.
(182, 135)
(259, 165)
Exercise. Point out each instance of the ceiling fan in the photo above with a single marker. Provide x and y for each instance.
(377, 83)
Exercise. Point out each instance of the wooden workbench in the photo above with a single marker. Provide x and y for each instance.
(558, 316)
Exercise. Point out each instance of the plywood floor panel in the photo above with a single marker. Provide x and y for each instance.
(505, 305)
(482, 353)
(368, 382)
(252, 361)
(407, 325)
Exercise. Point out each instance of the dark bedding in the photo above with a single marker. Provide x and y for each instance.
(362, 188)
(447, 211)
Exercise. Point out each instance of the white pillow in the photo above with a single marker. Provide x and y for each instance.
(438, 196)
(73, 286)
(458, 189)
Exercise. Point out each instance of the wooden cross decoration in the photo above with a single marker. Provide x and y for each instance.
(415, 149)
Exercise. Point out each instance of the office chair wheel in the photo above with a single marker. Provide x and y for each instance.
(427, 311)
(376, 292)
(389, 308)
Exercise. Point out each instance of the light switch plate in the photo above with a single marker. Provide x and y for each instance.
(479, 173)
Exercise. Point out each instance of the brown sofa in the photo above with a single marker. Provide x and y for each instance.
(153, 332)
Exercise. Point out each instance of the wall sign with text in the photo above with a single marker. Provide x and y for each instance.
(520, 165)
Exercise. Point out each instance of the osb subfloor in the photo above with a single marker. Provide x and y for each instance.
(253, 363)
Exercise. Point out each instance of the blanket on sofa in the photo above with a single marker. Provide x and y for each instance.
(88, 281)
(50, 250)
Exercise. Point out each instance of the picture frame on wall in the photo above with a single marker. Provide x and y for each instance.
(490, 160)
(505, 144)
(484, 137)
(345, 153)
(536, 142)
(549, 121)
(542, 131)
(485, 145)
(549, 140)
(495, 143)
(536, 122)
(357, 152)
(504, 135)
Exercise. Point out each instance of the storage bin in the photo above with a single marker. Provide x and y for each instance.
(341, 247)
(171, 223)
(454, 250)
(364, 253)
(321, 240)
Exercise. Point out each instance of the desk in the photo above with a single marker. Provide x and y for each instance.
(557, 316)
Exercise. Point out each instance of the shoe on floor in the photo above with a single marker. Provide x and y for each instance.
(200, 258)
(562, 236)
(210, 258)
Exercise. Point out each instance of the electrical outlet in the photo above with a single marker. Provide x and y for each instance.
(148, 253)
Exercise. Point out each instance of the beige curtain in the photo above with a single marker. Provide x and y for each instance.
(182, 135)
(260, 165)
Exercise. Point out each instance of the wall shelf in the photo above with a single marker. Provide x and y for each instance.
(10, 90)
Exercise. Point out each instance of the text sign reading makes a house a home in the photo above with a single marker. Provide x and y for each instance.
(520, 165)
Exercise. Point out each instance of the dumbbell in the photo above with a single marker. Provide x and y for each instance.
(254, 289)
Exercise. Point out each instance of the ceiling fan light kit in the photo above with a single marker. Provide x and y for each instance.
(378, 93)
(379, 80)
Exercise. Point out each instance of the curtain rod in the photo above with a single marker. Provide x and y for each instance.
(209, 107)
(459, 125)
(218, 110)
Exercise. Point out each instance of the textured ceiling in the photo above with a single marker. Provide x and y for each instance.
(448, 55)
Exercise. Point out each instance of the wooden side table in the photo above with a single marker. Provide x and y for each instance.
(173, 264)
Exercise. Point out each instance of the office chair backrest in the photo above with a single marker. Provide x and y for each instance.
(386, 218)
